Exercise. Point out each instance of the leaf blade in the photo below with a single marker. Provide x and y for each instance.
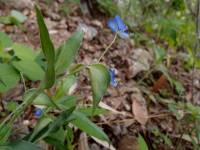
(20, 145)
(83, 123)
(142, 143)
(48, 50)
(100, 80)
(8, 76)
(24, 52)
(30, 69)
(67, 52)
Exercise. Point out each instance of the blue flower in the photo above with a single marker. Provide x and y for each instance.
(116, 24)
(38, 112)
(113, 80)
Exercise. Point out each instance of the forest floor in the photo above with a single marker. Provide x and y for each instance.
(135, 104)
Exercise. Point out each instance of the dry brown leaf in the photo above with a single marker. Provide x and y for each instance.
(83, 142)
(140, 111)
(160, 84)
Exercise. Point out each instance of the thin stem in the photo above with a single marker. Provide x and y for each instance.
(23, 81)
(17, 112)
(107, 48)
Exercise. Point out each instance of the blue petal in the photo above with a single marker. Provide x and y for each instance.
(113, 81)
(120, 23)
(38, 112)
(123, 35)
(112, 24)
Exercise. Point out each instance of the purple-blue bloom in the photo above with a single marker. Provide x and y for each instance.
(113, 80)
(38, 112)
(116, 24)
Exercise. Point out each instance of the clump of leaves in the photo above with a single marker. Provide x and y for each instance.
(51, 68)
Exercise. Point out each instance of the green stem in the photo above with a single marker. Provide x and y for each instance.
(23, 81)
(18, 111)
(107, 48)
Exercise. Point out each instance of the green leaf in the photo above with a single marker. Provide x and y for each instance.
(76, 68)
(67, 52)
(11, 105)
(67, 102)
(5, 133)
(24, 52)
(18, 16)
(172, 106)
(48, 50)
(39, 128)
(42, 99)
(70, 138)
(9, 77)
(20, 145)
(89, 111)
(5, 40)
(178, 87)
(159, 54)
(5, 20)
(61, 120)
(142, 143)
(100, 80)
(64, 86)
(44, 131)
(30, 69)
(83, 123)
(57, 139)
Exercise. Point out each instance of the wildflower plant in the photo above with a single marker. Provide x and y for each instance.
(54, 69)
(117, 25)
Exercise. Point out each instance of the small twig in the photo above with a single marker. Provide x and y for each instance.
(132, 119)
(23, 81)
(107, 48)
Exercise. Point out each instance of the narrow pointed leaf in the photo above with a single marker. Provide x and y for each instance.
(30, 69)
(59, 121)
(48, 50)
(20, 145)
(5, 133)
(40, 126)
(67, 52)
(24, 52)
(142, 143)
(83, 123)
(42, 99)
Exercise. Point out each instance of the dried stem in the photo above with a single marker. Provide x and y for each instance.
(107, 48)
